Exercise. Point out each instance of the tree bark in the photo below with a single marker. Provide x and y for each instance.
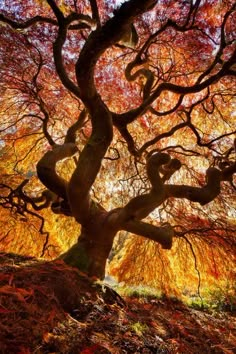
(94, 244)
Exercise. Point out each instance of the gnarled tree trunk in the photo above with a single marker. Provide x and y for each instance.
(98, 226)
(94, 244)
(91, 251)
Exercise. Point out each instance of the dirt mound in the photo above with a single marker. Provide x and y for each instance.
(49, 307)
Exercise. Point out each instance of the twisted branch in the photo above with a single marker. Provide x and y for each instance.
(46, 168)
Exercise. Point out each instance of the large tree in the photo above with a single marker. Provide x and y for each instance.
(126, 111)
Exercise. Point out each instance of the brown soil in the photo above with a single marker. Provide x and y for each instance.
(48, 307)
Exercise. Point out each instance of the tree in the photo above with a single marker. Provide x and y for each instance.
(86, 84)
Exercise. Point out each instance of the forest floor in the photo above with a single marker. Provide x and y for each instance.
(48, 307)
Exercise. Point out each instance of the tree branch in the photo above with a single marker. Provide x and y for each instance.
(27, 23)
(130, 116)
(57, 12)
(161, 136)
(202, 195)
(46, 168)
(41, 19)
(162, 235)
(94, 8)
(71, 132)
(58, 59)
(102, 133)
(142, 205)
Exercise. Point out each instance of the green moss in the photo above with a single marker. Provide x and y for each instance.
(141, 292)
(139, 328)
(220, 299)
(76, 257)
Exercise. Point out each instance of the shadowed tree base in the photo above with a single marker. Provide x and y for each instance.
(76, 257)
(90, 253)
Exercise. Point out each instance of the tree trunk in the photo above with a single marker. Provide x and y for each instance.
(91, 251)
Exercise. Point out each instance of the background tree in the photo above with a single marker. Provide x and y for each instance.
(126, 115)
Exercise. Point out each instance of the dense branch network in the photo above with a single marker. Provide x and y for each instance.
(73, 197)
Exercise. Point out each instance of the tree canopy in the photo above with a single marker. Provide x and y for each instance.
(117, 121)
